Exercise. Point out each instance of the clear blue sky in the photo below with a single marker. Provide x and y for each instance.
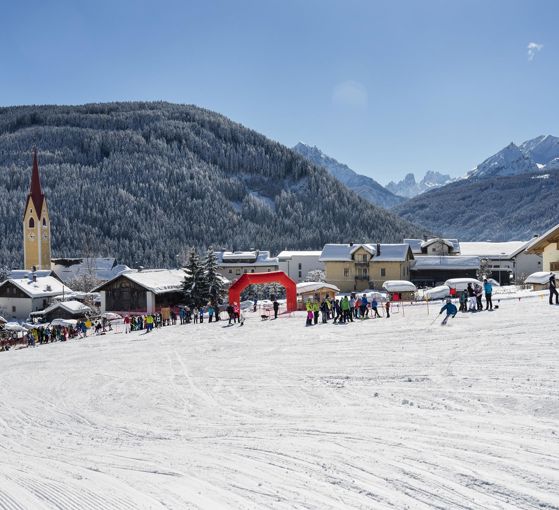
(387, 87)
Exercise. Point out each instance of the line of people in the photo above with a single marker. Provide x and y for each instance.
(343, 310)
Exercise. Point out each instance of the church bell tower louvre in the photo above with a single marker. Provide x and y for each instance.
(36, 224)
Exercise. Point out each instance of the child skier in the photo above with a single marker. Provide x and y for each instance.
(450, 310)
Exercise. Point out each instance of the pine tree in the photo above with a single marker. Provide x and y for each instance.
(195, 286)
(214, 281)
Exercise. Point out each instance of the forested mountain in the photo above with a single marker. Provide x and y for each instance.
(494, 208)
(143, 181)
(364, 186)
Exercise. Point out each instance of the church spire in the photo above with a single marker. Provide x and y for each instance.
(35, 192)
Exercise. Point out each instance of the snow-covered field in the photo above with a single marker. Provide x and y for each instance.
(387, 413)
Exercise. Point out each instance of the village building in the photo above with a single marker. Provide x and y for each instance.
(36, 225)
(142, 292)
(434, 246)
(67, 310)
(434, 270)
(546, 246)
(21, 296)
(315, 291)
(232, 265)
(356, 267)
(508, 261)
(298, 264)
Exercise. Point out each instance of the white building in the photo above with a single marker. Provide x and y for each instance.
(297, 264)
(233, 264)
(506, 260)
(21, 296)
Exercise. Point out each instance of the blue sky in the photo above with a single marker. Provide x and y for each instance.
(387, 87)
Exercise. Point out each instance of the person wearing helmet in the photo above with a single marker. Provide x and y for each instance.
(450, 309)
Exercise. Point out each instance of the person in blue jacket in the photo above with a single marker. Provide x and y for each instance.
(488, 289)
(450, 310)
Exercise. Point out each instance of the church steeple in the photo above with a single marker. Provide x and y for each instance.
(36, 224)
(35, 192)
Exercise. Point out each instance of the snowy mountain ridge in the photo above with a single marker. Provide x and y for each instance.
(364, 186)
(540, 153)
(408, 187)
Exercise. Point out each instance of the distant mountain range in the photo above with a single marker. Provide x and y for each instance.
(511, 195)
(143, 181)
(409, 188)
(541, 153)
(364, 186)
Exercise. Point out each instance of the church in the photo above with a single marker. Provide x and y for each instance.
(36, 225)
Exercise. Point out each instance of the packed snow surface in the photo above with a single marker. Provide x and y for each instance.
(379, 414)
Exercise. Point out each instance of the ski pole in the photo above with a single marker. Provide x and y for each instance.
(435, 319)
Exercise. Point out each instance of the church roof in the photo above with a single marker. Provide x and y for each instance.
(35, 192)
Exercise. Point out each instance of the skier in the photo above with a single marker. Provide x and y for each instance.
(310, 315)
(324, 311)
(316, 310)
(488, 289)
(450, 310)
(276, 308)
(337, 312)
(553, 289)
(464, 301)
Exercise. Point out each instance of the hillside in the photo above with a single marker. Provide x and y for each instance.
(142, 181)
(364, 186)
(493, 208)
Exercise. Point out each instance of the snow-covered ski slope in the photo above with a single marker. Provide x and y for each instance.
(381, 414)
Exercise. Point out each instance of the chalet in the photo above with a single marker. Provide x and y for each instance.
(432, 270)
(434, 246)
(21, 296)
(66, 310)
(547, 246)
(145, 291)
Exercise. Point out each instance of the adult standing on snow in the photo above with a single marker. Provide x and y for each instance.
(363, 307)
(471, 298)
(374, 308)
(387, 307)
(553, 289)
(478, 291)
(488, 289)
(276, 308)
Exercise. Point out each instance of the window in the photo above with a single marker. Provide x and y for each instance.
(383, 271)
(44, 222)
(252, 270)
(245, 270)
(364, 257)
(230, 271)
(31, 223)
(300, 274)
(269, 270)
(237, 271)
(13, 309)
(300, 266)
(346, 272)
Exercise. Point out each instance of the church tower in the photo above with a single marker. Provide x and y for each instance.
(36, 224)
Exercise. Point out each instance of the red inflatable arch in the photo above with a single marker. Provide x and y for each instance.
(256, 278)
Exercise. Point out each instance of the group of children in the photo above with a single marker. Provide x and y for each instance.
(343, 310)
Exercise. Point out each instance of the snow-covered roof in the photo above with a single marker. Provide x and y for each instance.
(343, 252)
(540, 277)
(20, 274)
(2, 320)
(416, 245)
(74, 307)
(255, 258)
(101, 268)
(393, 253)
(439, 292)
(445, 262)
(539, 243)
(399, 286)
(158, 281)
(504, 250)
(287, 254)
(461, 283)
(304, 287)
(46, 286)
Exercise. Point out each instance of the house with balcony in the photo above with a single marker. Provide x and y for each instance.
(357, 267)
